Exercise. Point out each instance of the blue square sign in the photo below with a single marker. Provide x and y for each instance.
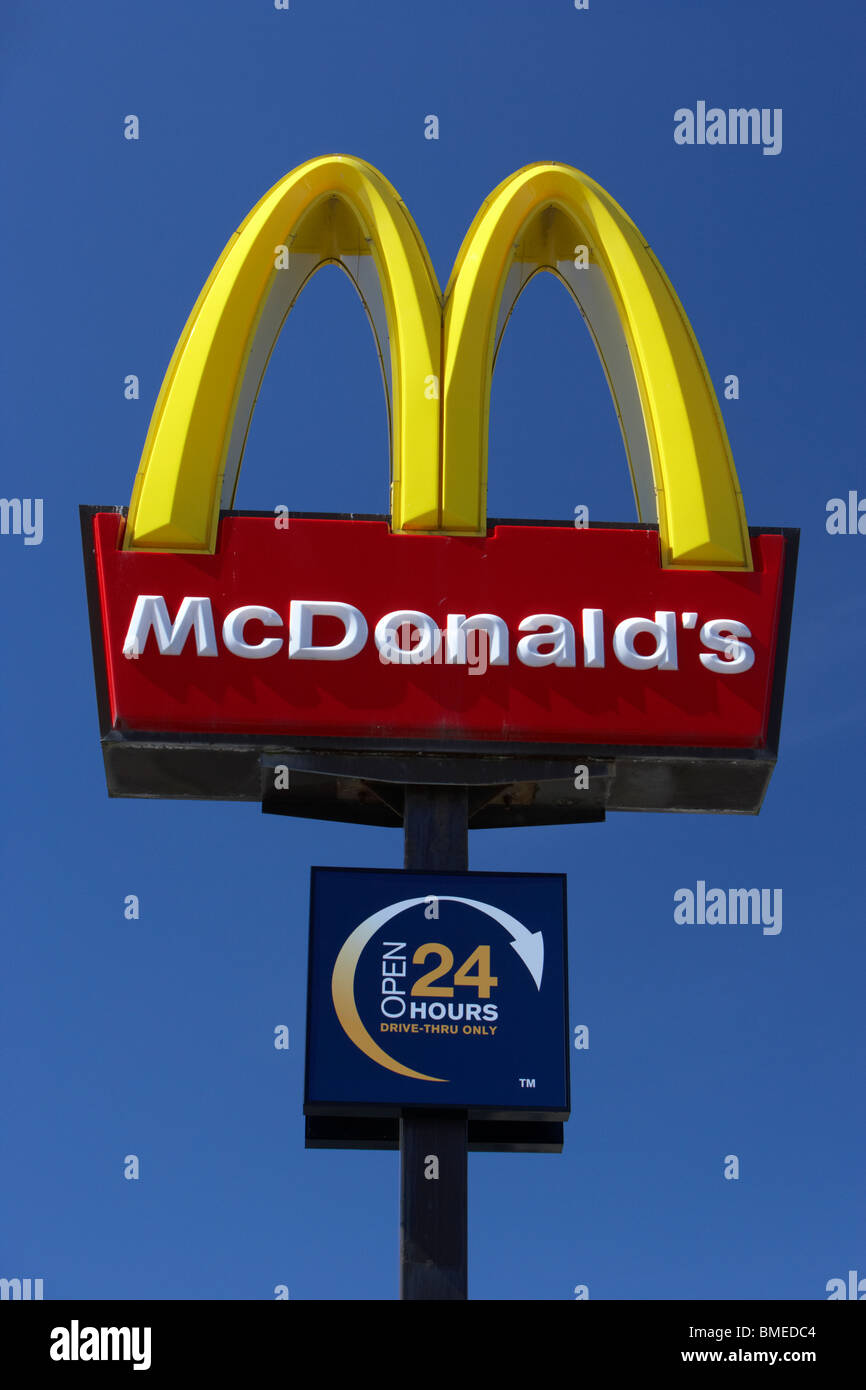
(437, 989)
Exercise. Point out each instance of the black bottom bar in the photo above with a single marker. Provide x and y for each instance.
(485, 1136)
(208, 1343)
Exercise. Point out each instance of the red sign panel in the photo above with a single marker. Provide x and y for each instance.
(326, 628)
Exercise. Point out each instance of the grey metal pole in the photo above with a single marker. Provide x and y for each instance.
(434, 1143)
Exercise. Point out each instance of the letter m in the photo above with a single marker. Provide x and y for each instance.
(740, 121)
(744, 906)
(10, 1288)
(150, 612)
(115, 1343)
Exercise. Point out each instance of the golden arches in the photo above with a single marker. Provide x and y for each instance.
(340, 210)
(331, 210)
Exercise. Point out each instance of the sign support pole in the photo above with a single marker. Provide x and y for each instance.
(434, 1143)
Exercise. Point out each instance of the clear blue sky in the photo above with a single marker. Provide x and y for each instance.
(154, 1037)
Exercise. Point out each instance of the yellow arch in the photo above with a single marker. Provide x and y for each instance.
(341, 210)
(335, 210)
(680, 460)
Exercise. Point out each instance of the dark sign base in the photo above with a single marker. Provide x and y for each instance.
(485, 1136)
(508, 786)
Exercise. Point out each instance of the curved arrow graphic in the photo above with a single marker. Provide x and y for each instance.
(343, 989)
(528, 945)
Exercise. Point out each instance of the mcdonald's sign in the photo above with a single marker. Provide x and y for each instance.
(561, 671)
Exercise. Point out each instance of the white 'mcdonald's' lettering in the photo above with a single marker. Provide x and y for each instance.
(233, 632)
(560, 638)
(150, 612)
(301, 615)
(387, 637)
(722, 635)
(549, 641)
(497, 635)
(663, 632)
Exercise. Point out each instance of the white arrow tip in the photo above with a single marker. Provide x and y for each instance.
(531, 952)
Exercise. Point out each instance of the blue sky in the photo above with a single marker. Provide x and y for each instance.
(154, 1037)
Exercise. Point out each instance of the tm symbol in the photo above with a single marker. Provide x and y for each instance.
(527, 1082)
